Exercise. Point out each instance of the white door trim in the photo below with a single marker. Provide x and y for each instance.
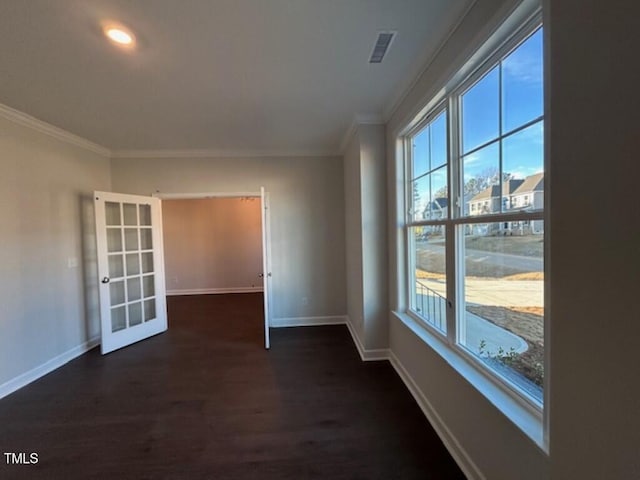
(266, 263)
(195, 196)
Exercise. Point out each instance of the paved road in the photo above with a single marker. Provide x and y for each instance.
(520, 262)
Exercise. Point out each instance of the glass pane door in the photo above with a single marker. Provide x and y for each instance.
(129, 251)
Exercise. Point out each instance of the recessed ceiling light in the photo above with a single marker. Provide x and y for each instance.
(119, 35)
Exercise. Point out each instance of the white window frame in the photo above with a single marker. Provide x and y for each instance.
(456, 220)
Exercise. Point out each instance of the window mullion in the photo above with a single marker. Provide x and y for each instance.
(500, 162)
(455, 201)
(408, 210)
(452, 304)
(455, 192)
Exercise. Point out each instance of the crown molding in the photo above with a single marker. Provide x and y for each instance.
(348, 134)
(33, 123)
(215, 153)
(425, 64)
(359, 119)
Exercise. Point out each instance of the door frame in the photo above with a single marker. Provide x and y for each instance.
(266, 233)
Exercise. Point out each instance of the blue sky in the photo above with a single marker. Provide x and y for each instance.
(522, 102)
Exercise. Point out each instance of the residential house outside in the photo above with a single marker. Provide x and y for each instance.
(517, 195)
(437, 209)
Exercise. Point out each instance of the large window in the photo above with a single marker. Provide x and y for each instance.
(475, 223)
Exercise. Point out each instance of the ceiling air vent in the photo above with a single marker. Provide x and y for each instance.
(382, 45)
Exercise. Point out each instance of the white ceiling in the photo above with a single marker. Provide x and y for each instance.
(229, 75)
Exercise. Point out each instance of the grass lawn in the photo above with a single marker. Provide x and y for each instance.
(527, 245)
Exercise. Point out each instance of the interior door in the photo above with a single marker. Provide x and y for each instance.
(130, 268)
(266, 264)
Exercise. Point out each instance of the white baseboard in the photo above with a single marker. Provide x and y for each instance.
(452, 445)
(466, 464)
(370, 355)
(209, 291)
(47, 367)
(308, 321)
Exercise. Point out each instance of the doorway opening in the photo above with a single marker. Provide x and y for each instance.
(217, 264)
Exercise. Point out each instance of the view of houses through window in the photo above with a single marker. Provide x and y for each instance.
(476, 185)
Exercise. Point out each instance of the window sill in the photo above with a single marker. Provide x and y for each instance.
(530, 423)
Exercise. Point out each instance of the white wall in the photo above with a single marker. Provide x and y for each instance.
(307, 217)
(46, 190)
(374, 246)
(366, 213)
(212, 245)
(595, 239)
(353, 232)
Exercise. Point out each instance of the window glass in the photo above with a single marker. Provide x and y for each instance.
(420, 197)
(496, 270)
(430, 188)
(481, 179)
(429, 290)
(439, 141)
(421, 149)
(503, 318)
(480, 111)
(438, 205)
(522, 79)
(523, 163)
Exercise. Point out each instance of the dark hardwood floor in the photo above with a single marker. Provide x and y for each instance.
(206, 401)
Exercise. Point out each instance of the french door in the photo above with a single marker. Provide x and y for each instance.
(130, 268)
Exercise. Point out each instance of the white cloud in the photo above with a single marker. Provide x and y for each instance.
(474, 157)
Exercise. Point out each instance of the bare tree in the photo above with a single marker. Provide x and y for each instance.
(484, 180)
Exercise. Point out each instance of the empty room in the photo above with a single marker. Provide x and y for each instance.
(342, 239)
(214, 264)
